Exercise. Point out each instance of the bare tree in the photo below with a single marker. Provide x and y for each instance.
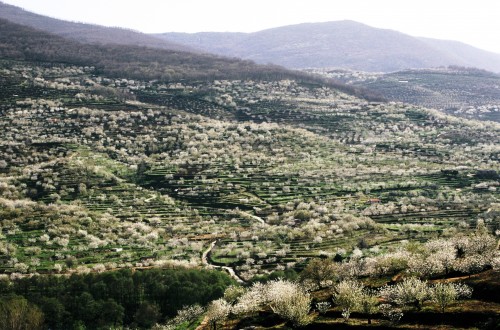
(319, 271)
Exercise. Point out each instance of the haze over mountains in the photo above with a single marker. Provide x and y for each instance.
(342, 44)
(23, 43)
(86, 33)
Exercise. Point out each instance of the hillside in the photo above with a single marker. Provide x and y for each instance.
(85, 33)
(18, 42)
(256, 176)
(341, 44)
(147, 188)
(476, 57)
(465, 92)
(201, 160)
(459, 91)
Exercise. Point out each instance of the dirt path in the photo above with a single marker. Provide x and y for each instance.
(203, 324)
(206, 262)
(399, 276)
(151, 197)
(254, 217)
(458, 278)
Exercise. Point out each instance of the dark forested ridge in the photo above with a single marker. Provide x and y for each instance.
(111, 299)
(341, 44)
(18, 42)
(24, 43)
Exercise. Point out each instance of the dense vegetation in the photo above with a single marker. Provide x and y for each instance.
(108, 300)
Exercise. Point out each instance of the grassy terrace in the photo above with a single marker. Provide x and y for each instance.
(140, 173)
(463, 92)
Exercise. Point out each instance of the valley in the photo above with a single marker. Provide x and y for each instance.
(146, 184)
(101, 174)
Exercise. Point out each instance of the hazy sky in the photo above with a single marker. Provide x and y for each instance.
(474, 22)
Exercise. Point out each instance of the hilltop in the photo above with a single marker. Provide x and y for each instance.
(340, 44)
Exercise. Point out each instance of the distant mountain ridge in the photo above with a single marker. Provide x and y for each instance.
(342, 44)
(86, 33)
(24, 43)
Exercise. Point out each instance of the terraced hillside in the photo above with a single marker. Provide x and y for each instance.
(99, 173)
(463, 92)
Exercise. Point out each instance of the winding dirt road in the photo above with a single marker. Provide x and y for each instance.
(205, 261)
(246, 214)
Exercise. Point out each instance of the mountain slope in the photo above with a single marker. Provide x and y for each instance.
(86, 33)
(345, 44)
(465, 92)
(18, 42)
(195, 162)
(466, 53)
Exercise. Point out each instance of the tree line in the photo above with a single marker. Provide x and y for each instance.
(137, 299)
